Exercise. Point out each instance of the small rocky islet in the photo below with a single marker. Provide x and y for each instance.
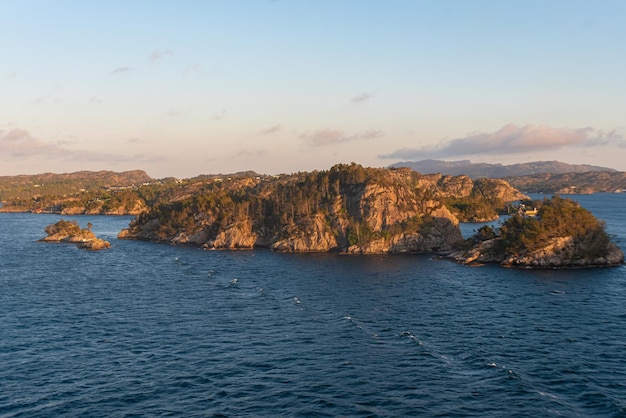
(556, 233)
(70, 232)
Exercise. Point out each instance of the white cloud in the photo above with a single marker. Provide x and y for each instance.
(19, 144)
(512, 139)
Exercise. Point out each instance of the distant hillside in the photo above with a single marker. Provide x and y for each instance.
(47, 184)
(480, 170)
(571, 183)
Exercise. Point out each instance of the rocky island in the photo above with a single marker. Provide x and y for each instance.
(558, 233)
(347, 209)
(71, 232)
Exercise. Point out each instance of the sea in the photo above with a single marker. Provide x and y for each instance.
(153, 330)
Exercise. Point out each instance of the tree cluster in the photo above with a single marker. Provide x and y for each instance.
(556, 217)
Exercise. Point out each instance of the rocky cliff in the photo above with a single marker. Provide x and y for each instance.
(346, 209)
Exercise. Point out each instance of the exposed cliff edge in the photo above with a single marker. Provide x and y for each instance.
(561, 235)
(70, 232)
(347, 209)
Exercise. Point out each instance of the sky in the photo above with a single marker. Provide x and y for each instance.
(183, 88)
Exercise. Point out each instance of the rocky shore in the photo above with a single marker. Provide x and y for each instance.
(557, 253)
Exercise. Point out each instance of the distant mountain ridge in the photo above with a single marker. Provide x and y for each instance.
(104, 177)
(479, 170)
(29, 185)
(571, 183)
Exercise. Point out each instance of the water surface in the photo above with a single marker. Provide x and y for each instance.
(154, 330)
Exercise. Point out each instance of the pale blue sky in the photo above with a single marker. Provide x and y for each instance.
(191, 87)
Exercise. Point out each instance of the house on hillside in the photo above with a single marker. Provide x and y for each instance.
(523, 210)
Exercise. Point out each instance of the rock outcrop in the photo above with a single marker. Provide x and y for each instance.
(347, 209)
(70, 232)
(94, 245)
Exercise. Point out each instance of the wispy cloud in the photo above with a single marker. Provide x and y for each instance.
(324, 137)
(271, 130)
(512, 139)
(174, 113)
(250, 153)
(95, 100)
(363, 97)
(19, 144)
(157, 54)
(121, 70)
(193, 69)
(46, 99)
(219, 115)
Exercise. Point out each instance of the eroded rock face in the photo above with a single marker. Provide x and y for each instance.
(236, 236)
(312, 236)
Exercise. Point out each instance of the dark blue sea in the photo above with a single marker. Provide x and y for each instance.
(153, 330)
